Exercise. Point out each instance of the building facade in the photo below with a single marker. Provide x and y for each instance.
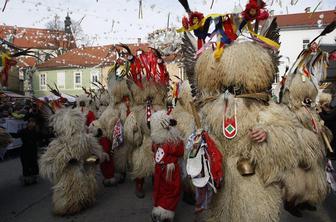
(77, 68)
(68, 80)
(45, 43)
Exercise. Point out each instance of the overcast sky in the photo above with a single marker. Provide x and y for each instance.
(114, 21)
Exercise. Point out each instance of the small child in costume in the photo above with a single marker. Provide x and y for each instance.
(168, 148)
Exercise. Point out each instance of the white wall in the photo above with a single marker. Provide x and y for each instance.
(292, 43)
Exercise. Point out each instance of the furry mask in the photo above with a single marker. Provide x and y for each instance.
(67, 122)
(95, 128)
(246, 65)
(163, 128)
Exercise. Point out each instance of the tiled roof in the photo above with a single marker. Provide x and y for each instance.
(306, 19)
(24, 62)
(36, 38)
(88, 57)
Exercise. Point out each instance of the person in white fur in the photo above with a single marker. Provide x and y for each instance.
(168, 147)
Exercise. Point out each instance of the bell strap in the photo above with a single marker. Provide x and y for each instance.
(261, 96)
(229, 123)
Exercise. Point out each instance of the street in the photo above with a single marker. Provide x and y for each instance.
(33, 203)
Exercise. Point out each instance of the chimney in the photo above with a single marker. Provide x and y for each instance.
(139, 41)
(67, 24)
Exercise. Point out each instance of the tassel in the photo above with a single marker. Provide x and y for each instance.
(169, 171)
(219, 51)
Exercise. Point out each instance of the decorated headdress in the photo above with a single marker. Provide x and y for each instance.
(246, 66)
(144, 66)
(307, 72)
(138, 76)
(227, 27)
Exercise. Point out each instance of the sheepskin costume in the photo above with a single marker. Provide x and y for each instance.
(324, 98)
(102, 102)
(307, 185)
(248, 69)
(87, 106)
(182, 112)
(168, 148)
(107, 167)
(137, 131)
(118, 109)
(69, 163)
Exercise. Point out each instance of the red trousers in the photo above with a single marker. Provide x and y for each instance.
(166, 193)
(107, 167)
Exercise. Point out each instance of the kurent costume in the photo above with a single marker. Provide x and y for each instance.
(167, 148)
(70, 162)
(87, 106)
(140, 88)
(101, 98)
(262, 142)
(300, 90)
(107, 167)
(113, 118)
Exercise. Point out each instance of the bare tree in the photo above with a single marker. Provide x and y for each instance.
(55, 24)
(80, 37)
(77, 31)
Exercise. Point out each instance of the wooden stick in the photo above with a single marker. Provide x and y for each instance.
(196, 116)
(327, 143)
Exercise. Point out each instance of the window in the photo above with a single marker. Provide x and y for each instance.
(305, 43)
(43, 81)
(78, 80)
(95, 77)
(61, 80)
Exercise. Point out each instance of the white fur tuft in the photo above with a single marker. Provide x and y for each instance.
(161, 214)
(160, 134)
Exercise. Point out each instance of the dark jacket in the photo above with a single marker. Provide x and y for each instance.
(329, 119)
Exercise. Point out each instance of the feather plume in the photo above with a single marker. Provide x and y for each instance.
(185, 5)
(126, 47)
(189, 60)
(271, 30)
(328, 29)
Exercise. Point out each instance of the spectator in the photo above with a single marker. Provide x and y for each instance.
(30, 138)
(328, 114)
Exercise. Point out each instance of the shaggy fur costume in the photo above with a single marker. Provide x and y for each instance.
(137, 133)
(89, 110)
(64, 163)
(116, 109)
(102, 102)
(183, 112)
(307, 185)
(289, 146)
